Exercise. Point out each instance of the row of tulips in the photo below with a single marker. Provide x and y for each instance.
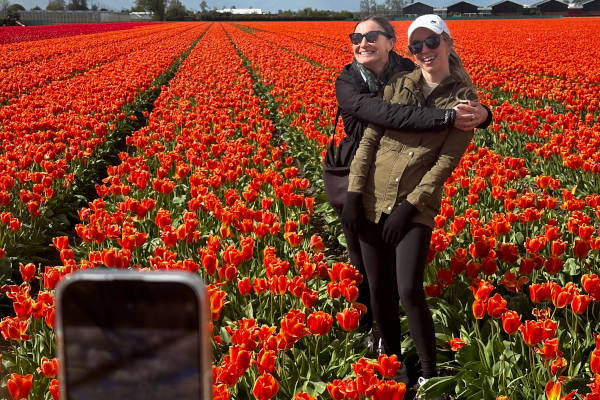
(15, 34)
(31, 65)
(51, 134)
(207, 188)
(499, 221)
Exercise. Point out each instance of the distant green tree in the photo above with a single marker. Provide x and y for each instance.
(36, 8)
(156, 6)
(203, 6)
(94, 7)
(77, 5)
(176, 11)
(56, 5)
(14, 8)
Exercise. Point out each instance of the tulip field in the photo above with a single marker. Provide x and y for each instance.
(197, 146)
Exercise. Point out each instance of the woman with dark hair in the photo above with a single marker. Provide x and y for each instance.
(395, 187)
(359, 90)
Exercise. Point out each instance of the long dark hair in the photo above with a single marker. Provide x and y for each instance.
(381, 21)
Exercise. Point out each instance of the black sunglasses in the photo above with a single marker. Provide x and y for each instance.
(356, 38)
(432, 42)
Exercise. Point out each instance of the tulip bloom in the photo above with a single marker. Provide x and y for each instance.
(266, 387)
(348, 319)
(49, 367)
(244, 286)
(580, 303)
(337, 389)
(19, 386)
(558, 365)
(540, 292)
(532, 332)
(595, 361)
(496, 306)
(387, 366)
(265, 361)
(53, 388)
(591, 284)
(27, 272)
(511, 321)
(390, 390)
(319, 323)
(483, 291)
(479, 308)
(456, 344)
(549, 350)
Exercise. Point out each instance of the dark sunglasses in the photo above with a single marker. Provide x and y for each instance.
(356, 38)
(432, 42)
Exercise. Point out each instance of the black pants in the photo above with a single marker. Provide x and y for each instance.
(398, 272)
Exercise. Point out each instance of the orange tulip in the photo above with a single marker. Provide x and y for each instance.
(265, 387)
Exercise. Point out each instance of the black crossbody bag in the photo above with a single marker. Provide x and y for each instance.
(336, 168)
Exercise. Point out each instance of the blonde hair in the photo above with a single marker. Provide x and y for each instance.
(456, 66)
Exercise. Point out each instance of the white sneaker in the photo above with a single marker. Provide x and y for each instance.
(421, 382)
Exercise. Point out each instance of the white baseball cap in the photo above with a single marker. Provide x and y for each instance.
(430, 21)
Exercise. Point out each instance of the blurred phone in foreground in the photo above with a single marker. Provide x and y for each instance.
(133, 335)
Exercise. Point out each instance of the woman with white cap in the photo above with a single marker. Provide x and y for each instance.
(395, 188)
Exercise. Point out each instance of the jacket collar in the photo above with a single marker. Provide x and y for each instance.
(416, 76)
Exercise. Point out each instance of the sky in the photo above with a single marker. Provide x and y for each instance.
(194, 5)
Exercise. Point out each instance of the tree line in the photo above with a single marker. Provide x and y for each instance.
(175, 10)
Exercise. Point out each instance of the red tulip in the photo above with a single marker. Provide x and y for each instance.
(511, 321)
(348, 319)
(496, 306)
(319, 323)
(387, 366)
(19, 386)
(456, 344)
(532, 332)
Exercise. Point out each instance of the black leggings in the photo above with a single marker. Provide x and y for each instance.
(400, 276)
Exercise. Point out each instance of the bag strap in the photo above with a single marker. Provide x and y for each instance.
(330, 155)
(337, 117)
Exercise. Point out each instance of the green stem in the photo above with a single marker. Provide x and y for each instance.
(346, 346)
(480, 344)
(532, 366)
(502, 357)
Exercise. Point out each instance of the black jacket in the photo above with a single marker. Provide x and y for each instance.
(359, 107)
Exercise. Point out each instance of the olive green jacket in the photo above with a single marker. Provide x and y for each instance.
(390, 166)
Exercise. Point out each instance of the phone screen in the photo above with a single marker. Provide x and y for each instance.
(131, 340)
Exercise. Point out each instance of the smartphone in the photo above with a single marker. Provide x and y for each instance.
(133, 335)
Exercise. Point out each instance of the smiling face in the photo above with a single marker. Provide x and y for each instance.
(375, 55)
(433, 62)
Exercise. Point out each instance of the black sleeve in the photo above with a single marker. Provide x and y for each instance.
(370, 108)
(488, 120)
